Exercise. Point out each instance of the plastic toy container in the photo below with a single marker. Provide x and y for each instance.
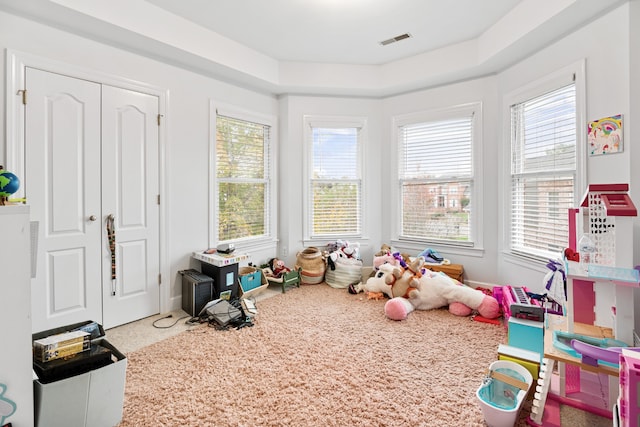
(90, 396)
(502, 392)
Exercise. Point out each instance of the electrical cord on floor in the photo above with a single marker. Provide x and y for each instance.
(168, 316)
(196, 320)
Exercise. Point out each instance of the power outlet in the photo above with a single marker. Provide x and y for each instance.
(285, 252)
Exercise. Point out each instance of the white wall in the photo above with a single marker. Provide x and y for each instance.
(478, 263)
(609, 45)
(187, 127)
(604, 44)
(633, 124)
(292, 111)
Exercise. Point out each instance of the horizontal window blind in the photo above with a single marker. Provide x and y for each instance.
(335, 207)
(335, 183)
(436, 179)
(242, 175)
(437, 150)
(543, 172)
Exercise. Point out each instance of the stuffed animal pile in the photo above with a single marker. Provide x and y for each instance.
(385, 256)
(411, 287)
(385, 281)
(344, 264)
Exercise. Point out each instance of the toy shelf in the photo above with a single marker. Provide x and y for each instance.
(620, 281)
(560, 324)
(570, 391)
(616, 274)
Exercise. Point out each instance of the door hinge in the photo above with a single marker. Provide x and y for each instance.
(158, 199)
(159, 279)
(23, 92)
(159, 116)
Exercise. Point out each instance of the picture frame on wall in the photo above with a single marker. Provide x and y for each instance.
(604, 136)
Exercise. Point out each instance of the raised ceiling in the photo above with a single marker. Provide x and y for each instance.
(325, 47)
(343, 31)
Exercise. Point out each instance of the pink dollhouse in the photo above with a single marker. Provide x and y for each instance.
(600, 304)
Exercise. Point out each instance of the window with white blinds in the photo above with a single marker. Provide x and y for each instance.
(543, 172)
(242, 179)
(335, 182)
(436, 178)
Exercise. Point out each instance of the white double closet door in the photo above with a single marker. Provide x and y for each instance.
(91, 155)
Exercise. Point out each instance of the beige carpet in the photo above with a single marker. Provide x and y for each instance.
(136, 335)
(316, 356)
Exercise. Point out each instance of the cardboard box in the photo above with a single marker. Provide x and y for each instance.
(60, 352)
(455, 271)
(250, 278)
(254, 282)
(61, 345)
(92, 399)
(60, 340)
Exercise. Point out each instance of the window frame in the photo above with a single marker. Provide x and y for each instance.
(332, 122)
(269, 239)
(476, 233)
(573, 73)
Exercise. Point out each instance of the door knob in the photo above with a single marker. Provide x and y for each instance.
(92, 218)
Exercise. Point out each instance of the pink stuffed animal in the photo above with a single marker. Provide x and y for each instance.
(387, 258)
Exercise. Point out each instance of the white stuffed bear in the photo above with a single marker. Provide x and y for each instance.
(412, 288)
(386, 281)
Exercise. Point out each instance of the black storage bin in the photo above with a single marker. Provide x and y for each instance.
(224, 278)
(197, 291)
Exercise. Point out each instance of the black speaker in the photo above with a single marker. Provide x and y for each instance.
(197, 290)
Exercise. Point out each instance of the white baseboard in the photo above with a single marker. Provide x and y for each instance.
(483, 285)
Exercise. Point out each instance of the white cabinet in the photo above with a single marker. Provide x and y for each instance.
(16, 394)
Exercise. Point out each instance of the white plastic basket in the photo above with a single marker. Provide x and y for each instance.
(502, 392)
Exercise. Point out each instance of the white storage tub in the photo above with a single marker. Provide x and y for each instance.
(502, 392)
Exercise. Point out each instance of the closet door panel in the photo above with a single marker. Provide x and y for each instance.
(131, 149)
(130, 193)
(62, 185)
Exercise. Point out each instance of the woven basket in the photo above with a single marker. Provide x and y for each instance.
(313, 266)
(346, 272)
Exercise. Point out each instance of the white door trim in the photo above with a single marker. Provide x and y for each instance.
(16, 62)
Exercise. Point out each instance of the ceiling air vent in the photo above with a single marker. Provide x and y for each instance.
(395, 39)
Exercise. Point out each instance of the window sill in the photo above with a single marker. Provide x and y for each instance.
(255, 245)
(321, 242)
(529, 262)
(414, 246)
